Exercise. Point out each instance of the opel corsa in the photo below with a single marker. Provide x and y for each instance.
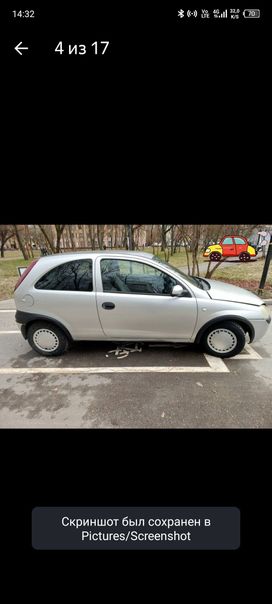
(131, 296)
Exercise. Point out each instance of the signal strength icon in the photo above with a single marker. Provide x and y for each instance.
(223, 15)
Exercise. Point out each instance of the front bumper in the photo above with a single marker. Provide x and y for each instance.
(260, 327)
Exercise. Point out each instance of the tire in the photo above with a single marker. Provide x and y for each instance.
(215, 256)
(244, 257)
(224, 339)
(47, 339)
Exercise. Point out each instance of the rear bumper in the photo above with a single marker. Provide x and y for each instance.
(23, 331)
(24, 317)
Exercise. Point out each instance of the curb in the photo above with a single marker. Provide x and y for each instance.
(7, 304)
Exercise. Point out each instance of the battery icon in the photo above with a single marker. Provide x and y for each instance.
(252, 13)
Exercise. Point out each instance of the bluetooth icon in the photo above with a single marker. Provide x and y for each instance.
(181, 13)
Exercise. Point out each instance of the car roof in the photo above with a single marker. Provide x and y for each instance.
(98, 253)
(240, 236)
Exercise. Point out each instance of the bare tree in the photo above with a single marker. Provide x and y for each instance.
(28, 241)
(115, 242)
(100, 235)
(59, 228)
(20, 238)
(164, 229)
(195, 248)
(47, 236)
(71, 235)
(92, 236)
(172, 230)
(6, 232)
(111, 235)
(137, 230)
(128, 238)
(150, 235)
(129, 235)
(185, 232)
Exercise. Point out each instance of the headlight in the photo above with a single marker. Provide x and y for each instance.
(208, 250)
(264, 311)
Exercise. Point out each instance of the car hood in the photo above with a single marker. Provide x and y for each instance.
(224, 291)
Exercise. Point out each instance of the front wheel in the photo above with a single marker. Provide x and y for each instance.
(224, 340)
(215, 256)
(47, 339)
(244, 257)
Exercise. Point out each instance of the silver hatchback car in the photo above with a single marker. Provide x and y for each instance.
(131, 296)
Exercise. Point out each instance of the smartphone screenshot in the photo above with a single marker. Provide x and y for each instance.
(135, 291)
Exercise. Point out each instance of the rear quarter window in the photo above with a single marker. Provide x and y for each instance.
(76, 275)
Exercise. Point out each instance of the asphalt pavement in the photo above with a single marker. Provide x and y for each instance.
(158, 387)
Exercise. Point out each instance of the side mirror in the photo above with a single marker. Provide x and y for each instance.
(177, 290)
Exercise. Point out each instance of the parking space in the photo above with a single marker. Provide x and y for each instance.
(17, 357)
(159, 386)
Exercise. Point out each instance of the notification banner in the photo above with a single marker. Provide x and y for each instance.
(129, 528)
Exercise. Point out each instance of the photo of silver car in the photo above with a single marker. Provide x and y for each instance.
(132, 296)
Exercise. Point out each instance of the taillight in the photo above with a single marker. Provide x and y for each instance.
(25, 273)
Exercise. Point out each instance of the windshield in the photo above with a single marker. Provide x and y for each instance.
(193, 280)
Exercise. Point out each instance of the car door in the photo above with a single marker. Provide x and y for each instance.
(228, 246)
(240, 244)
(134, 302)
(66, 293)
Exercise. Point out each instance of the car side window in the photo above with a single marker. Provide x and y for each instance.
(69, 276)
(239, 240)
(131, 277)
(227, 241)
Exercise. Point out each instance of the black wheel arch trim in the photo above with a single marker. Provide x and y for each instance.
(26, 318)
(240, 320)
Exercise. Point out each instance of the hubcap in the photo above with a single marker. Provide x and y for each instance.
(46, 340)
(222, 340)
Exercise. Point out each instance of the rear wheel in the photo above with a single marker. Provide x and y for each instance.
(215, 256)
(224, 340)
(47, 339)
(244, 257)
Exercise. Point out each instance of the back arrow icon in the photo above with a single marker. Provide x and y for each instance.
(18, 48)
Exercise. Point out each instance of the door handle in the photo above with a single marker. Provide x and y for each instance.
(108, 305)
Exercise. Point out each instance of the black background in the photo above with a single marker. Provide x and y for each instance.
(167, 128)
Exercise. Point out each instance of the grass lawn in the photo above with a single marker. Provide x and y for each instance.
(246, 275)
(178, 259)
(9, 274)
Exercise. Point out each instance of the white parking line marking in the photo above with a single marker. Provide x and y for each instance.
(251, 354)
(216, 364)
(7, 310)
(74, 370)
(14, 331)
